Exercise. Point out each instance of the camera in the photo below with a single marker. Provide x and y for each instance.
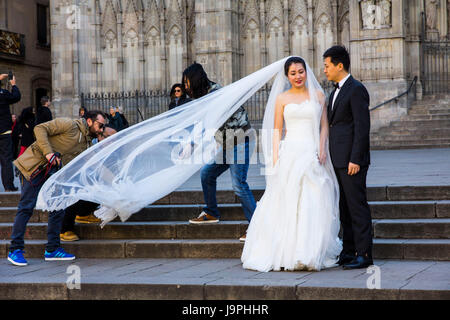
(10, 75)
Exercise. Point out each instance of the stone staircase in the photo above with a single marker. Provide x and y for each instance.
(427, 125)
(411, 223)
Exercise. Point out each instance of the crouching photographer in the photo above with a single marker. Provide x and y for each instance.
(6, 147)
(57, 143)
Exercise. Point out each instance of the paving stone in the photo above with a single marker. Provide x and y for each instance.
(208, 269)
(137, 291)
(33, 291)
(388, 248)
(402, 209)
(127, 230)
(426, 249)
(307, 291)
(443, 209)
(248, 289)
(96, 248)
(409, 293)
(412, 228)
(375, 193)
(418, 193)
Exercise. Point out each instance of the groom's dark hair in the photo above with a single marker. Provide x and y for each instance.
(338, 54)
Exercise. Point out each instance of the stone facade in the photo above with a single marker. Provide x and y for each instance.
(33, 68)
(122, 45)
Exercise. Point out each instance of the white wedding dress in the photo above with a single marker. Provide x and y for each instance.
(295, 225)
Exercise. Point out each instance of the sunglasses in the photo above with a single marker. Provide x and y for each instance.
(178, 90)
(100, 125)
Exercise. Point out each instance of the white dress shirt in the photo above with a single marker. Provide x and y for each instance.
(341, 83)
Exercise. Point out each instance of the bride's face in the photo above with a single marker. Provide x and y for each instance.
(297, 75)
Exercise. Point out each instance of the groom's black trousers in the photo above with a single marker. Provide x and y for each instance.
(355, 214)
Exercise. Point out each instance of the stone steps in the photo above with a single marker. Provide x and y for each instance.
(421, 124)
(219, 280)
(409, 223)
(382, 228)
(425, 126)
(403, 134)
(374, 193)
(233, 211)
(418, 145)
(389, 144)
(438, 116)
(408, 249)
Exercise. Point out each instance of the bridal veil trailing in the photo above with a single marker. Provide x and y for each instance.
(147, 161)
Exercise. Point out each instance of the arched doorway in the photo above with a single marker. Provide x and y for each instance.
(41, 86)
(40, 92)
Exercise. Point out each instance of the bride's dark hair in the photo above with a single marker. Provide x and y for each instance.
(293, 60)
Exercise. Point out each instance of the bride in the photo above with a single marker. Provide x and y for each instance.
(296, 223)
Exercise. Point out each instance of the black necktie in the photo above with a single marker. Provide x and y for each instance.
(336, 85)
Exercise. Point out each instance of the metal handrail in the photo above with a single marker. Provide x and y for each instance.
(397, 97)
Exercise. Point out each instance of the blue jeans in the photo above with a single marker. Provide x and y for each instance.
(28, 198)
(210, 172)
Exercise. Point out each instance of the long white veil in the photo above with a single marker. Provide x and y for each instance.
(147, 161)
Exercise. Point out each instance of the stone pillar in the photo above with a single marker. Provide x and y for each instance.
(311, 32)
(65, 15)
(379, 54)
(217, 47)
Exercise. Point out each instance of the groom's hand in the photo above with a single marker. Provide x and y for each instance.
(353, 168)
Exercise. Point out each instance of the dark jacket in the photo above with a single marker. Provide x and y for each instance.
(124, 121)
(43, 114)
(238, 121)
(175, 103)
(7, 98)
(350, 125)
(116, 122)
(22, 134)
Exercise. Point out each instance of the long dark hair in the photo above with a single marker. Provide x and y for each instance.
(198, 80)
(293, 60)
(172, 91)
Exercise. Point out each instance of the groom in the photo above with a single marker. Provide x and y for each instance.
(349, 119)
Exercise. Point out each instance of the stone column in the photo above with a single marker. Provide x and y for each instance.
(379, 54)
(311, 32)
(217, 47)
(65, 83)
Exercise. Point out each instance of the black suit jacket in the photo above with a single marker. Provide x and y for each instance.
(350, 125)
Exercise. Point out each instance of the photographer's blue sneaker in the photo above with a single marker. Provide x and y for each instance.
(58, 255)
(16, 258)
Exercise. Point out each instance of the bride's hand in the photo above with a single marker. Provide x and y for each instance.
(322, 156)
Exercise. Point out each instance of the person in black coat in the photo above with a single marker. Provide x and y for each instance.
(115, 120)
(349, 119)
(6, 148)
(177, 96)
(43, 112)
(23, 131)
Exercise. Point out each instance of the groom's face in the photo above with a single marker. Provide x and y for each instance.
(332, 71)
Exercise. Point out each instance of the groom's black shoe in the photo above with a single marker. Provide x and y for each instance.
(345, 258)
(358, 263)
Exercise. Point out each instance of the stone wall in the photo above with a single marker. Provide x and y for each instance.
(33, 70)
(122, 45)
